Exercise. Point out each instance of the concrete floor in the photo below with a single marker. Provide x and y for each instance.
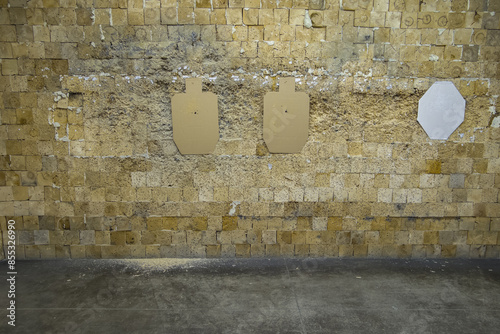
(254, 296)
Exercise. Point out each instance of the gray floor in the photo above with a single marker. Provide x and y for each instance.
(255, 296)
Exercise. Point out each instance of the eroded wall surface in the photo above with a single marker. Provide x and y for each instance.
(89, 167)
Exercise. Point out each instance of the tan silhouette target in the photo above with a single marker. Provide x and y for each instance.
(286, 118)
(195, 119)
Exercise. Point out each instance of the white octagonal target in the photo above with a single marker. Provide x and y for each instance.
(441, 110)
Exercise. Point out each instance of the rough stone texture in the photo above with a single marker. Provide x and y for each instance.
(86, 132)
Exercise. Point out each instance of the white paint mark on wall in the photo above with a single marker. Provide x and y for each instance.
(234, 204)
(58, 96)
(496, 122)
(307, 20)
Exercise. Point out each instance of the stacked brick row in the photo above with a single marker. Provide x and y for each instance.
(229, 236)
(435, 38)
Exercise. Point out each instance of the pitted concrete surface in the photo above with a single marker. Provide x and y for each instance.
(254, 296)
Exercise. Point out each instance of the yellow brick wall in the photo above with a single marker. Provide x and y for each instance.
(89, 168)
